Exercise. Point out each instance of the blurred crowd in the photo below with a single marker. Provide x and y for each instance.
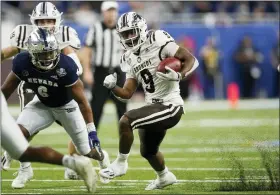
(226, 12)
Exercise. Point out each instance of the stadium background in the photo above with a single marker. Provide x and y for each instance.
(192, 24)
(214, 147)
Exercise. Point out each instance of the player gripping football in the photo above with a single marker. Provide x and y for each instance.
(145, 50)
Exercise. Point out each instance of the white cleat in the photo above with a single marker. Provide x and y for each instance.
(105, 162)
(115, 169)
(71, 175)
(6, 161)
(103, 165)
(161, 182)
(84, 169)
(24, 175)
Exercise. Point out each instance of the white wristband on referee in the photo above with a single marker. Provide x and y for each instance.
(91, 127)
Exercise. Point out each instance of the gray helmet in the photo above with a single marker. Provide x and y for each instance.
(43, 48)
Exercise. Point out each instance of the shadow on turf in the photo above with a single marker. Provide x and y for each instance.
(264, 182)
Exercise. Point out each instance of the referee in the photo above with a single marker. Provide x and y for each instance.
(100, 57)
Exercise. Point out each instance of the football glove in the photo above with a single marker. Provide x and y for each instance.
(110, 81)
(94, 142)
(170, 75)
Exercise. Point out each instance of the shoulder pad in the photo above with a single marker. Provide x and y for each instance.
(68, 37)
(19, 35)
(162, 37)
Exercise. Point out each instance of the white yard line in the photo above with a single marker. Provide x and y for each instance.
(146, 181)
(147, 169)
(134, 151)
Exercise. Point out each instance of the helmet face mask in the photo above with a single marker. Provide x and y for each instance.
(48, 24)
(132, 30)
(46, 11)
(43, 48)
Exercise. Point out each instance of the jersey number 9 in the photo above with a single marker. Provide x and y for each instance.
(148, 80)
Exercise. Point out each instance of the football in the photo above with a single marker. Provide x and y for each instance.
(171, 62)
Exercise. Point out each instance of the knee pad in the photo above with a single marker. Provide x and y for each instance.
(148, 152)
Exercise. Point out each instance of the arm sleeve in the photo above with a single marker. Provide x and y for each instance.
(90, 37)
(18, 37)
(168, 50)
(71, 76)
(68, 37)
(167, 45)
(16, 67)
(77, 61)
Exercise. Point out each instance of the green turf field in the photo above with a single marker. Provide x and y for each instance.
(210, 152)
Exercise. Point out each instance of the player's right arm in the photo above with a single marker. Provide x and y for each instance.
(8, 52)
(10, 84)
(14, 78)
(17, 40)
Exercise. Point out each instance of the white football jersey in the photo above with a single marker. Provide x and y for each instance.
(66, 36)
(143, 67)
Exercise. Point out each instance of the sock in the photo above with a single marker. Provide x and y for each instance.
(68, 161)
(161, 173)
(122, 157)
(25, 164)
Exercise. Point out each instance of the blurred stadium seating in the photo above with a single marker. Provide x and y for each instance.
(226, 21)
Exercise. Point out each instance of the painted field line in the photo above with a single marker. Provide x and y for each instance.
(148, 169)
(19, 193)
(146, 181)
(249, 149)
(198, 159)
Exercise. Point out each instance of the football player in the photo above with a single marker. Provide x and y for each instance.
(45, 15)
(15, 143)
(59, 96)
(145, 50)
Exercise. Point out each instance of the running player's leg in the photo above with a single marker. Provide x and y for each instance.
(73, 122)
(34, 117)
(15, 144)
(153, 117)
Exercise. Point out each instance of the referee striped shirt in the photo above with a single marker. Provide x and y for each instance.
(106, 46)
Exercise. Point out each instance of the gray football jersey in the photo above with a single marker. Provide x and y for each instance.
(66, 36)
(143, 67)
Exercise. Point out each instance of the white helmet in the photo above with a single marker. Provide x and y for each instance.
(46, 10)
(132, 29)
(43, 48)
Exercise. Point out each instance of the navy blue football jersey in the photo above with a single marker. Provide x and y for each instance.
(52, 87)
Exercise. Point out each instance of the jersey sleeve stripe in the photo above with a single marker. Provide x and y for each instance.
(63, 36)
(72, 83)
(154, 37)
(159, 53)
(90, 37)
(151, 37)
(18, 41)
(67, 29)
(23, 38)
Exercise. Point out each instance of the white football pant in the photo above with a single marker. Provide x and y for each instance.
(36, 116)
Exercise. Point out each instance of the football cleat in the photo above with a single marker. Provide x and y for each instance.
(71, 175)
(23, 175)
(163, 181)
(84, 169)
(103, 165)
(6, 161)
(115, 169)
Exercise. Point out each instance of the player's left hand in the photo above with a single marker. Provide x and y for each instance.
(110, 81)
(170, 75)
(94, 142)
